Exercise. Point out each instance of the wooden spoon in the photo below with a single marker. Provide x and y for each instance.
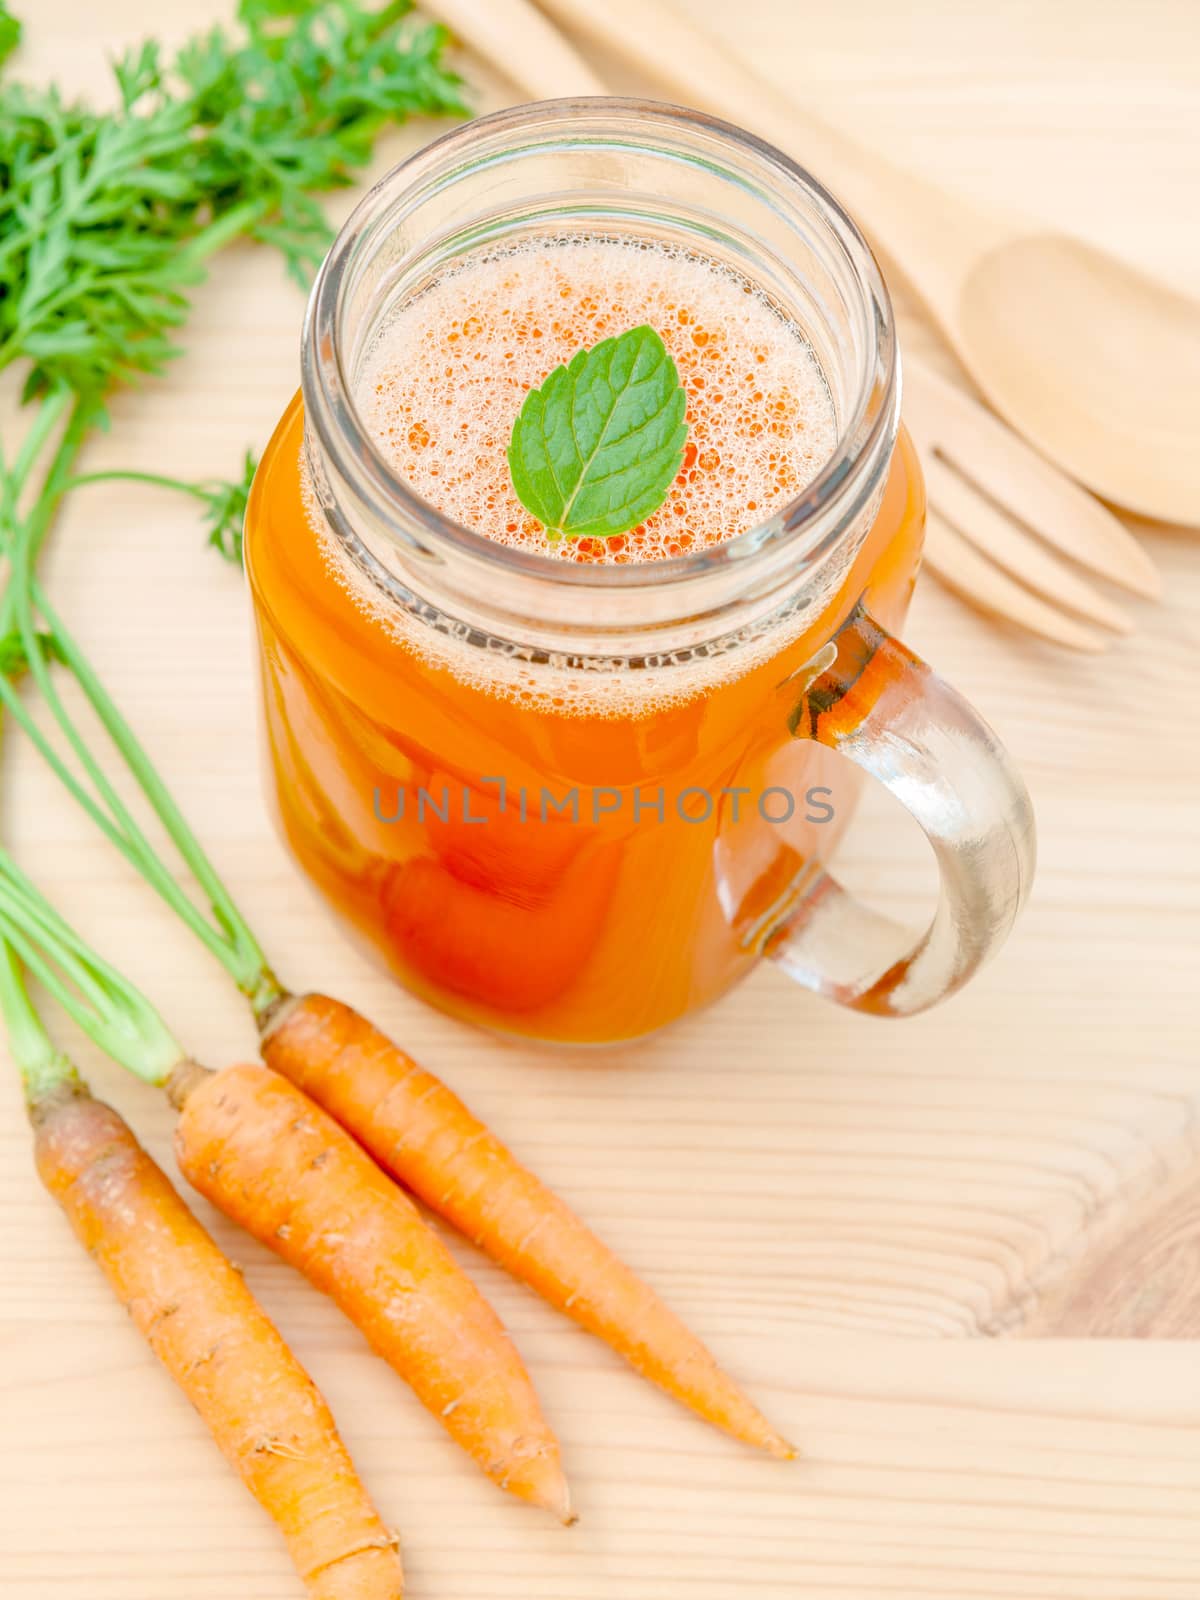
(1095, 362)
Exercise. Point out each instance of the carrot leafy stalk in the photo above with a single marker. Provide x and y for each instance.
(412, 1123)
(108, 218)
(194, 1310)
(271, 1159)
(105, 223)
(223, 500)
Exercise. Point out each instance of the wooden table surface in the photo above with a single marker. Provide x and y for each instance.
(859, 1216)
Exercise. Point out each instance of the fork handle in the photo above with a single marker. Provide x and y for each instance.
(870, 698)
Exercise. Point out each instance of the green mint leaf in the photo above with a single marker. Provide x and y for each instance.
(596, 448)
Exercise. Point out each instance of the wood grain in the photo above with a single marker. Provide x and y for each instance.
(841, 1206)
(1143, 1282)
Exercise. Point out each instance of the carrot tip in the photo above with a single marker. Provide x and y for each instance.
(540, 1482)
(782, 1449)
(557, 1501)
(563, 1510)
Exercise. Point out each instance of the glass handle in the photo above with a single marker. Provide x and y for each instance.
(868, 697)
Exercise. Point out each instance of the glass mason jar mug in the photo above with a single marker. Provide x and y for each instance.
(577, 801)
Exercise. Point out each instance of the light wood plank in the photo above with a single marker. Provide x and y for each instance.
(841, 1206)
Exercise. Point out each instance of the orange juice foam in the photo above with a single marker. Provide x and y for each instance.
(441, 386)
(444, 381)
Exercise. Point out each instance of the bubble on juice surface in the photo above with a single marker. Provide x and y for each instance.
(441, 386)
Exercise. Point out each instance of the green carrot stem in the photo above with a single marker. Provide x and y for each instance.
(328, 107)
(47, 418)
(227, 227)
(158, 479)
(136, 850)
(244, 958)
(231, 941)
(250, 972)
(41, 518)
(26, 538)
(110, 1009)
(38, 921)
(43, 1068)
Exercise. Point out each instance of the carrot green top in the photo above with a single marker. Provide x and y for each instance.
(106, 221)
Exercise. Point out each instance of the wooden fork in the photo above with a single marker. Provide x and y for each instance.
(997, 513)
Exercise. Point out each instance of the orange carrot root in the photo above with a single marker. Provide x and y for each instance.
(269, 1157)
(423, 1134)
(206, 1328)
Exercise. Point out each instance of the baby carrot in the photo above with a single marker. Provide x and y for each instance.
(206, 1328)
(422, 1133)
(271, 1159)
(412, 1124)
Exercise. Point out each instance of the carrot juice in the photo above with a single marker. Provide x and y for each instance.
(576, 851)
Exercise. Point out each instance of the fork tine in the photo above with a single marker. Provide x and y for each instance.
(979, 581)
(986, 451)
(983, 524)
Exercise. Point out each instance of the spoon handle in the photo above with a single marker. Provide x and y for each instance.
(515, 36)
(931, 236)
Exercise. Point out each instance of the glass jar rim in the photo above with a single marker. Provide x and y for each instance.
(866, 434)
